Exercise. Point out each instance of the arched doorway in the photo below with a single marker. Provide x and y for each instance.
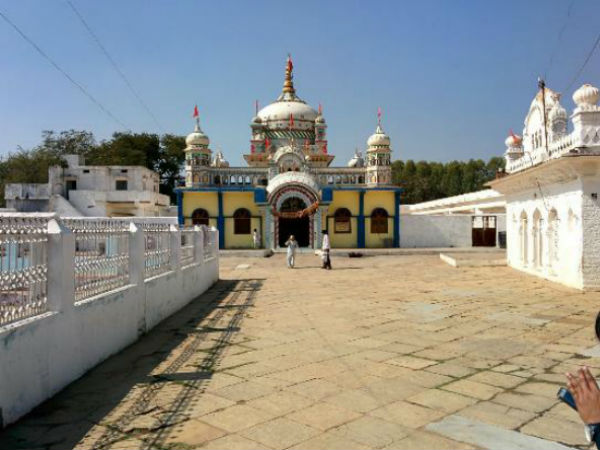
(288, 224)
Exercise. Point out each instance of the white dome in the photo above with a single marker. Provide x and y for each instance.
(379, 138)
(279, 112)
(320, 119)
(197, 138)
(586, 95)
(513, 141)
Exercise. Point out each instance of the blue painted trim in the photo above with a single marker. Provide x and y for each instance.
(260, 196)
(220, 189)
(326, 191)
(180, 208)
(365, 189)
(221, 221)
(397, 219)
(361, 220)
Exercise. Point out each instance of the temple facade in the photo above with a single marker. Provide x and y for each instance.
(289, 186)
(551, 190)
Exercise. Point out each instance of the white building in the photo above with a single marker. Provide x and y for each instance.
(97, 191)
(551, 189)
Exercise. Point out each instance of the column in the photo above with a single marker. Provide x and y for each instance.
(221, 220)
(361, 220)
(180, 217)
(397, 218)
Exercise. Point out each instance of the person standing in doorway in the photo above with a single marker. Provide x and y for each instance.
(292, 245)
(325, 251)
(256, 238)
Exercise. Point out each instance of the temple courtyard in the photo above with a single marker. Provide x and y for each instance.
(381, 352)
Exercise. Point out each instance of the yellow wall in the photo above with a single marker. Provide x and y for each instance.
(344, 199)
(205, 200)
(343, 240)
(231, 202)
(378, 199)
(349, 200)
(235, 200)
(377, 240)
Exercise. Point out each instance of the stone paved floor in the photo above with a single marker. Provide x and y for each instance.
(363, 356)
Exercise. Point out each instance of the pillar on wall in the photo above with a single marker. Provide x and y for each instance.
(397, 219)
(221, 221)
(268, 228)
(318, 229)
(180, 218)
(361, 220)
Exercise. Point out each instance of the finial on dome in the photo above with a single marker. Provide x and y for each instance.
(288, 84)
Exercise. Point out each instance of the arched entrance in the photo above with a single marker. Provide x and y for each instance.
(288, 224)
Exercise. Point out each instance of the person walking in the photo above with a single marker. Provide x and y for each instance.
(256, 238)
(325, 251)
(292, 245)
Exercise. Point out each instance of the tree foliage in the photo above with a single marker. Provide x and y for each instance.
(163, 154)
(424, 180)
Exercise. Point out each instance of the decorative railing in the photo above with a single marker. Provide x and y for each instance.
(23, 267)
(87, 257)
(157, 247)
(101, 260)
(186, 255)
(210, 244)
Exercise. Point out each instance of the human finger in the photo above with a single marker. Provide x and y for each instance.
(591, 381)
(583, 380)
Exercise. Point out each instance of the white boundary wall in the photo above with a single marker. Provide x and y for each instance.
(422, 231)
(42, 354)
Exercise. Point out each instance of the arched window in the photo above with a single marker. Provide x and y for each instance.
(241, 221)
(523, 232)
(552, 234)
(200, 217)
(341, 221)
(538, 239)
(379, 221)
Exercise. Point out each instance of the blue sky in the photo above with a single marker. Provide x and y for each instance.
(451, 76)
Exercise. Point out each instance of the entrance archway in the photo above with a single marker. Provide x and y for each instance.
(299, 227)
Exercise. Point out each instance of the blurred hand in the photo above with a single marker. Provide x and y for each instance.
(586, 393)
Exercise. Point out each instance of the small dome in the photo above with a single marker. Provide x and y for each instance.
(220, 160)
(320, 119)
(357, 160)
(257, 120)
(557, 112)
(197, 138)
(379, 138)
(513, 141)
(586, 95)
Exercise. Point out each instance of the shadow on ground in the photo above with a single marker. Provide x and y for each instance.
(141, 392)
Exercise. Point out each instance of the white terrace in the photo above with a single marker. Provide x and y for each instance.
(75, 291)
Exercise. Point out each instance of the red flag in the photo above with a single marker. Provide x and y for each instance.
(291, 120)
(196, 111)
(290, 64)
(320, 109)
(379, 114)
(267, 143)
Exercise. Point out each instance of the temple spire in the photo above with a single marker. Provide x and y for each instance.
(288, 84)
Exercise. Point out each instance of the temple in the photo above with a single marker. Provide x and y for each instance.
(289, 186)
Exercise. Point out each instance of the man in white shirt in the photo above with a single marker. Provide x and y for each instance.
(325, 251)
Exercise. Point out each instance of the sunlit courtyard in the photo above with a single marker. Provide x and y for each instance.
(380, 352)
